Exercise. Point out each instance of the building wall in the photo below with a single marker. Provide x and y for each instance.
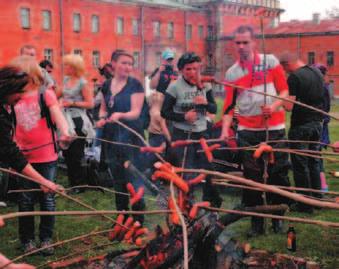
(107, 39)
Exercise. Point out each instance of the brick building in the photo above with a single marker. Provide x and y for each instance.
(94, 28)
(315, 41)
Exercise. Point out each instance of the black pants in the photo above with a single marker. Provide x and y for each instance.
(114, 157)
(306, 170)
(74, 155)
(254, 169)
(195, 160)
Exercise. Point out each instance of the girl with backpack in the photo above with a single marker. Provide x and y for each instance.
(36, 139)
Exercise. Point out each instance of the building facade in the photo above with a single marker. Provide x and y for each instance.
(94, 28)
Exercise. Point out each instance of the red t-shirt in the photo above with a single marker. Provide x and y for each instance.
(32, 134)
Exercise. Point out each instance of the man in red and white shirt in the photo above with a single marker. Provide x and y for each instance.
(251, 71)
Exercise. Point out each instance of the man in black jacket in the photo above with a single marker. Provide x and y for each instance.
(306, 84)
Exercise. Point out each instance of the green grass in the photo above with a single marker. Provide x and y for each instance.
(314, 242)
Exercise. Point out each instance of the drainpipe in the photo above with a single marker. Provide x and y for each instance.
(185, 30)
(299, 45)
(143, 57)
(62, 49)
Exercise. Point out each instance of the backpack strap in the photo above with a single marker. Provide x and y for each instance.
(45, 113)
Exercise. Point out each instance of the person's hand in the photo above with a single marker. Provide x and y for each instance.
(65, 103)
(191, 116)
(64, 141)
(162, 67)
(200, 100)
(20, 266)
(100, 123)
(115, 117)
(336, 146)
(51, 187)
(224, 134)
(267, 111)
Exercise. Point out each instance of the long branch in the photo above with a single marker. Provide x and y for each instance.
(293, 196)
(293, 219)
(278, 97)
(58, 192)
(55, 245)
(222, 182)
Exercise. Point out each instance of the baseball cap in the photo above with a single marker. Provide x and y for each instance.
(167, 54)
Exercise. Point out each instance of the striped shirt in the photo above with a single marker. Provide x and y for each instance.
(249, 104)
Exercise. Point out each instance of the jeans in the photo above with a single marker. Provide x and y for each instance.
(306, 170)
(254, 169)
(74, 155)
(47, 203)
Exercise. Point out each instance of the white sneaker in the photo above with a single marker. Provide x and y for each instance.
(3, 204)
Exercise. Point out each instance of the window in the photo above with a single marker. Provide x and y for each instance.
(189, 31)
(156, 29)
(311, 57)
(158, 58)
(48, 54)
(170, 30)
(135, 26)
(136, 57)
(96, 58)
(201, 31)
(25, 17)
(46, 20)
(78, 51)
(76, 22)
(120, 25)
(209, 31)
(330, 58)
(95, 24)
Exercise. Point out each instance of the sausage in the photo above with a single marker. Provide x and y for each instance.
(138, 196)
(180, 143)
(197, 179)
(261, 149)
(159, 149)
(172, 177)
(206, 149)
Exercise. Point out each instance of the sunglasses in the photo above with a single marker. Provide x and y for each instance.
(242, 42)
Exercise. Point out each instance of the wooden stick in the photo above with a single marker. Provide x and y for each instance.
(80, 213)
(278, 97)
(222, 182)
(58, 192)
(239, 186)
(183, 225)
(77, 252)
(270, 188)
(55, 245)
(293, 219)
(140, 137)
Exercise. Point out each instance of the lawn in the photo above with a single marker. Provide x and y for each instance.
(315, 242)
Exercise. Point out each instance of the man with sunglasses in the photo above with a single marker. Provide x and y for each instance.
(186, 105)
(254, 71)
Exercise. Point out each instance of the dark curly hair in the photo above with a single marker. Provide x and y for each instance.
(188, 58)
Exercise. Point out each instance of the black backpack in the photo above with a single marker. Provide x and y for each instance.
(45, 113)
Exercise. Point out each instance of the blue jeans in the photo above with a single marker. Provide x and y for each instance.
(306, 170)
(47, 203)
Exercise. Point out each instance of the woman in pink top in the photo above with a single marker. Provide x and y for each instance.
(35, 139)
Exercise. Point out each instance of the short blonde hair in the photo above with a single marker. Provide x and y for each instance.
(30, 66)
(75, 61)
